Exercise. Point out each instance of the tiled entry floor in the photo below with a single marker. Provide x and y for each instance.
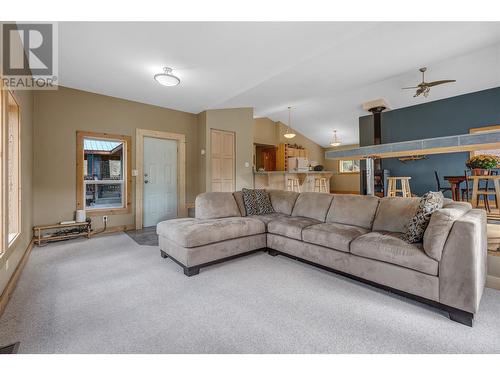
(145, 236)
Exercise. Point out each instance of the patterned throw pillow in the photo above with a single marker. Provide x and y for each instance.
(429, 203)
(257, 202)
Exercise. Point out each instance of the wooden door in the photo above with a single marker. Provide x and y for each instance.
(223, 160)
(269, 159)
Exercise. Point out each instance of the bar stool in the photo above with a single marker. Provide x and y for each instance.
(293, 184)
(392, 183)
(320, 185)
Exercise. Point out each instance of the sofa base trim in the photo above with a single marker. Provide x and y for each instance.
(457, 315)
(195, 270)
(460, 316)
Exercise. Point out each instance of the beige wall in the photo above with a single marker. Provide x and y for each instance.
(59, 114)
(239, 121)
(265, 131)
(343, 183)
(12, 256)
(268, 132)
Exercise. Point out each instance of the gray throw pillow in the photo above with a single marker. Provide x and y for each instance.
(417, 225)
(257, 202)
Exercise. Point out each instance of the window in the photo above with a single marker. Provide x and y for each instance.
(349, 166)
(103, 173)
(13, 169)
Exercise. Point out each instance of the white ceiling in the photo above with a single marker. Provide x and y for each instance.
(325, 71)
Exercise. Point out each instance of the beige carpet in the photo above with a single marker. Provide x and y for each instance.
(111, 295)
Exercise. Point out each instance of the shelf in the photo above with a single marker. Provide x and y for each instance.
(39, 238)
(54, 226)
(103, 182)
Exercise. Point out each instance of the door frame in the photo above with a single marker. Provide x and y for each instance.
(139, 163)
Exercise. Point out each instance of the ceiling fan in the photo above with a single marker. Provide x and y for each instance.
(424, 87)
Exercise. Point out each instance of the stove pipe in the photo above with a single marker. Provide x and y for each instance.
(376, 107)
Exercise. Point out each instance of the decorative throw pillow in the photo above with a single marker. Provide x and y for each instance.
(257, 202)
(429, 203)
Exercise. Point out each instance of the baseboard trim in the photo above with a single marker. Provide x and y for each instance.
(493, 282)
(11, 285)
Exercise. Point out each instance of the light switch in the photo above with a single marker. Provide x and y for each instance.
(135, 172)
(247, 164)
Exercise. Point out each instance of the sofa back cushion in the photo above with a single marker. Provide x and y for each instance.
(216, 205)
(312, 205)
(283, 201)
(394, 213)
(358, 210)
(439, 227)
(238, 197)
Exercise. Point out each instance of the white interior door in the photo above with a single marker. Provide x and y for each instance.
(160, 180)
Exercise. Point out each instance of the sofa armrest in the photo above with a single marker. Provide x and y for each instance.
(462, 269)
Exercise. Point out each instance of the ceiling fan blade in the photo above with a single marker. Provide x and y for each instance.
(407, 88)
(435, 83)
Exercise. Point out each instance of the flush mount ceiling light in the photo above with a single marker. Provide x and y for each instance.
(167, 78)
(335, 140)
(289, 133)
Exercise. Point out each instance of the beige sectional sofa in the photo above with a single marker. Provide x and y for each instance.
(356, 236)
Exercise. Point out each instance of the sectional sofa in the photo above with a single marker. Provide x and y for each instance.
(354, 235)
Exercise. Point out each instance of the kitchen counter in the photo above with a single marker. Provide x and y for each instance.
(278, 179)
(285, 172)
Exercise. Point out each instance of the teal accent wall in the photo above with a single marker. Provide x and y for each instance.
(451, 116)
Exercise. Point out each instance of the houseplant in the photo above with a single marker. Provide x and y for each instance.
(481, 164)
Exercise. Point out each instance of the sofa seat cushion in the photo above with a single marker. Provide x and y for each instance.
(290, 226)
(195, 232)
(391, 248)
(332, 235)
(266, 219)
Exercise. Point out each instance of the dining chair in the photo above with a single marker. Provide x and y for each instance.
(439, 187)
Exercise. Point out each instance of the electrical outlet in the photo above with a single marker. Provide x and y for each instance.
(105, 219)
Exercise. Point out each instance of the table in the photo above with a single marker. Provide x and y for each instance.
(455, 182)
(476, 191)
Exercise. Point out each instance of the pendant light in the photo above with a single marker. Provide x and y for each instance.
(335, 140)
(289, 133)
(167, 78)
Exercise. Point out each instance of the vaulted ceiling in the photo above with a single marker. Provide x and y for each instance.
(324, 70)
